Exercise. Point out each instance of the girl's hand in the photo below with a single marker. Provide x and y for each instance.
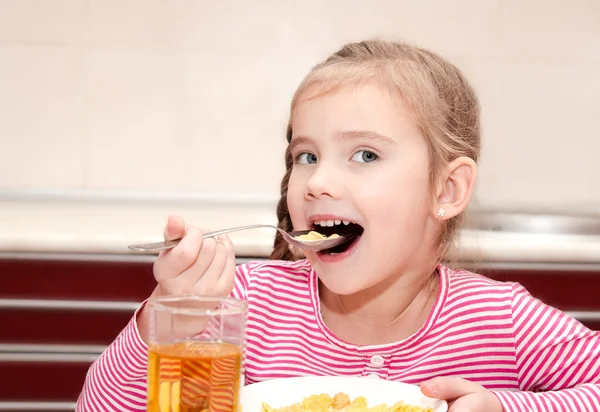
(195, 266)
(462, 395)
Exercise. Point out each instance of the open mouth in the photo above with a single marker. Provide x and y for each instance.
(341, 227)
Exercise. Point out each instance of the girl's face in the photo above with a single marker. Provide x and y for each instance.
(359, 158)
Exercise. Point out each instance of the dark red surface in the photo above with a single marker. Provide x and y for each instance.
(563, 289)
(53, 279)
(41, 381)
(592, 324)
(61, 327)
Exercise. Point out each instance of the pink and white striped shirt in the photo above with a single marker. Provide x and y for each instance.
(532, 356)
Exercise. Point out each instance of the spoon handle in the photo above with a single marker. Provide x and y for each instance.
(169, 244)
(155, 247)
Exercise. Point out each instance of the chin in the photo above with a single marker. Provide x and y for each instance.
(343, 282)
(341, 287)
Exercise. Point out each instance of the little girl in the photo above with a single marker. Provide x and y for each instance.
(383, 143)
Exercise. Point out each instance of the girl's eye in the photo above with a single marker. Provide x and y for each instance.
(364, 156)
(306, 159)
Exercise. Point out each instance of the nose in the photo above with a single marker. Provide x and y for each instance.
(324, 181)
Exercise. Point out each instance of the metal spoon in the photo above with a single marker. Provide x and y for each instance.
(290, 237)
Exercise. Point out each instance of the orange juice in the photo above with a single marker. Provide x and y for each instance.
(193, 377)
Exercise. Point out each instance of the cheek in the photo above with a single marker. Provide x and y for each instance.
(397, 192)
(295, 187)
(295, 196)
(398, 204)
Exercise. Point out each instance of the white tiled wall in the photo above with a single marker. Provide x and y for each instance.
(193, 95)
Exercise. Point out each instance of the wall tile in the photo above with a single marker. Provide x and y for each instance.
(237, 109)
(41, 21)
(538, 148)
(110, 91)
(124, 24)
(551, 29)
(232, 25)
(137, 139)
(42, 116)
(446, 27)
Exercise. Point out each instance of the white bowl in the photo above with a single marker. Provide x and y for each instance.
(284, 392)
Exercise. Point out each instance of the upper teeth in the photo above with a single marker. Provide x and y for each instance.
(331, 222)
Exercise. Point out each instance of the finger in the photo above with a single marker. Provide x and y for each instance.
(225, 239)
(225, 284)
(197, 271)
(474, 402)
(449, 388)
(228, 245)
(181, 257)
(230, 249)
(208, 282)
(175, 228)
(227, 278)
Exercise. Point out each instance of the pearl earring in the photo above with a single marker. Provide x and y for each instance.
(441, 212)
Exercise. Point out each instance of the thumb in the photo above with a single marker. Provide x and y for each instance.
(175, 228)
(449, 388)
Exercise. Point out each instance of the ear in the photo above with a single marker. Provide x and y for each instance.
(455, 189)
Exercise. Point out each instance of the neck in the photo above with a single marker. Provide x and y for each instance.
(403, 301)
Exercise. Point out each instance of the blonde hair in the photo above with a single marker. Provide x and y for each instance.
(441, 101)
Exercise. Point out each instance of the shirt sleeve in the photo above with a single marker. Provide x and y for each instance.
(558, 359)
(117, 380)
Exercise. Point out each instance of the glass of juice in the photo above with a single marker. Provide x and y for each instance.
(195, 353)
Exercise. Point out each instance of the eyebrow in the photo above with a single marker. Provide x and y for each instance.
(366, 135)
